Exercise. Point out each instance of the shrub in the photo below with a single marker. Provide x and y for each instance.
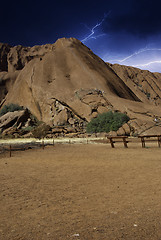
(41, 131)
(28, 129)
(106, 122)
(10, 108)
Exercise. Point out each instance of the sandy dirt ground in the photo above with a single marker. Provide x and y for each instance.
(81, 191)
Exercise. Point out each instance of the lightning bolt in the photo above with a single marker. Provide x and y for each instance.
(137, 53)
(92, 30)
(147, 64)
(143, 65)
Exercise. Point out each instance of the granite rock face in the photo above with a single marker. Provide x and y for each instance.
(65, 85)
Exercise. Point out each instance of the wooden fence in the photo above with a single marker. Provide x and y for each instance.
(110, 139)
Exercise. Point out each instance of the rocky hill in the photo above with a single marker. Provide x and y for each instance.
(146, 85)
(65, 85)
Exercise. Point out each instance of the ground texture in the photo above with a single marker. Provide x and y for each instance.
(81, 192)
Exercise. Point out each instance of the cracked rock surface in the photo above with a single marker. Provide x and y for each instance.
(65, 85)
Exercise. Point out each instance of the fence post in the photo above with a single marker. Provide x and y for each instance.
(159, 141)
(43, 144)
(53, 142)
(111, 141)
(143, 142)
(125, 142)
(10, 151)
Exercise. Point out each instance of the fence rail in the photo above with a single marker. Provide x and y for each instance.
(22, 146)
(143, 138)
(12, 147)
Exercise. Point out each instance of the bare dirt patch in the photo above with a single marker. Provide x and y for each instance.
(81, 192)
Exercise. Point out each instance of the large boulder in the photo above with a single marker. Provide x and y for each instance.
(17, 123)
(13, 118)
(127, 129)
(61, 118)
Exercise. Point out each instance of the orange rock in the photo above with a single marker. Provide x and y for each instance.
(66, 80)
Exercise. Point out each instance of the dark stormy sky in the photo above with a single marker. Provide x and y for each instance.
(126, 32)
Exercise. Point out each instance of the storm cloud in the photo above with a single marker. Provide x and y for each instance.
(142, 18)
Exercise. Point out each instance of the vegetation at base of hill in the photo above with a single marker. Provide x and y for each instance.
(11, 107)
(41, 130)
(28, 129)
(106, 122)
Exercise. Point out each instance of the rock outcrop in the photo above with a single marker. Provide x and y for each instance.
(4, 51)
(146, 85)
(14, 58)
(61, 74)
(65, 85)
(17, 122)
